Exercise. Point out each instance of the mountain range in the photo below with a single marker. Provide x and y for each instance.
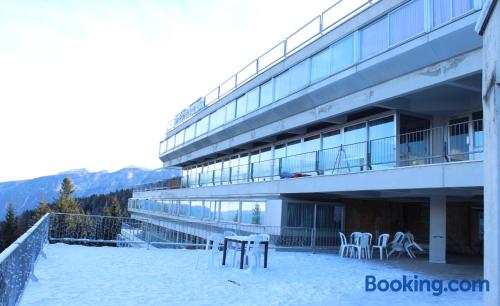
(26, 194)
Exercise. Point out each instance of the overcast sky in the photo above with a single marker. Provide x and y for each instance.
(92, 84)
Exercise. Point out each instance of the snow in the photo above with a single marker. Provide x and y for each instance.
(78, 275)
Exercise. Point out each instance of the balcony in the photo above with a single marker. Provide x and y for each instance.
(460, 141)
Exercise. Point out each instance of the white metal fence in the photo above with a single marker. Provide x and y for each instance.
(17, 262)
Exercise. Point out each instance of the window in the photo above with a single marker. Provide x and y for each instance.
(382, 142)
(241, 106)
(374, 38)
(229, 211)
(189, 132)
(406, 21)
(342, 53)
(320, 65)
(184, 208)
(196, 209)
(253, 212)
(266, 93)
(252, 99)
(210, 210)
(230, 111)
(282, 85)
(171, 142)
(179, 138)
(163, 146)
(217, 118)
(299, 76)
(202, 126)
(445, 10)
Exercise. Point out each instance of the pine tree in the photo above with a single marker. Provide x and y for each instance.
(256, 214)
(41, 210)
(115, 210)
(9, 228)
(66, 203)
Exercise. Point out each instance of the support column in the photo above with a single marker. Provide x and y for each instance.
(488, 25)
(437, 229)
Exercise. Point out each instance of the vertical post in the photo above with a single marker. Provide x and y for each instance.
(488, 26)
(313, 232)
(437, 229)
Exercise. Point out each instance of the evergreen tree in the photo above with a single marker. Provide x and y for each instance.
(256, 214)
(66, 203)
(115, 210)
(41, 210)
(9, 228)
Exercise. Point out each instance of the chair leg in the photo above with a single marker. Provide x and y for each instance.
(381, 254)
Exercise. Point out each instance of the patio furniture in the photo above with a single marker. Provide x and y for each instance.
(354, 240)
(233, 248)
(369, 244)
(212, 247)
(254, 250)
(397, 245)
(381, 245)
(344, 246)
(362, 247)
(243, 241)
(410, 243)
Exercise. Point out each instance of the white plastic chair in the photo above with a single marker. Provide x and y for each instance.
(361, 247)
(397, 244)
(355, 241)
(254, 251)
(381, 245)
(344, 246)
(232, 248)
(212, 248)
(368, 245)
(410, 243)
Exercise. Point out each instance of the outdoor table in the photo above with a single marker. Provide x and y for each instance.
(243, 240)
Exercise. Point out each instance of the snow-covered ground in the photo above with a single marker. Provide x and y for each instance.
(78, 275)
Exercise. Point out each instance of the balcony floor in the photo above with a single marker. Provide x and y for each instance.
(79, 275)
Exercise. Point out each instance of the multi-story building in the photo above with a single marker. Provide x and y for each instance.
(368, 118)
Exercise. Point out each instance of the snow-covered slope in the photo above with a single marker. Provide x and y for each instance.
(26, 194)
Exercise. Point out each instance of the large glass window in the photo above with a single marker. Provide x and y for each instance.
(382, 143)
(299, 76)
(171, 142)
(217, 118)
(252, 99)
(342, 53)
(266, 93)
(406, 21)
(353, 156)
(202, 126)
(210, 210)
(230, 111)
(179, 138)
(282, 85)
(184, 208)
(241, 106)
(414, 140)
(444, 10)
(229, 211)
(374, 38)
(320, 65)
(253, 212)
(189, 132)
(196, 209)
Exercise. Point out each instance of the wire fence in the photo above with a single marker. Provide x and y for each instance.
(17, 262)
(169, 232)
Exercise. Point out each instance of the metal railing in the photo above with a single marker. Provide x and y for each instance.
(17, 262)
(93, 230)
(332, 17)
(456, 142)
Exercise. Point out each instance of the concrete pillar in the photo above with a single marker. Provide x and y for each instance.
(437, 229)
(488, 25)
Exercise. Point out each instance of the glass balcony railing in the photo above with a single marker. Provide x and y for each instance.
(457, 142)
